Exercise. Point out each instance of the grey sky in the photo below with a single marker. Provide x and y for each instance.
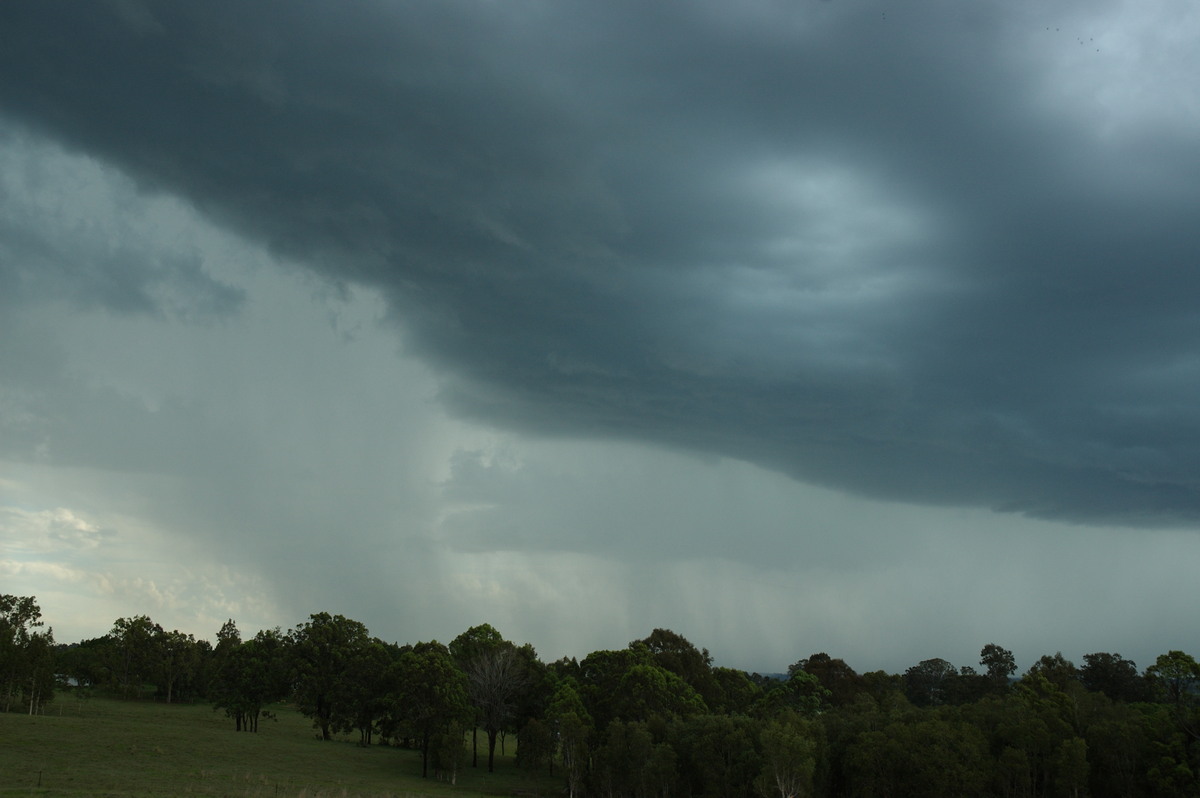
(849, 326)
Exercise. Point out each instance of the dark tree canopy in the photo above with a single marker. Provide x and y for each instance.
(998, 663)
(930, 682)
(322, 650)
(842, 682)
(1056, 669)
(430, 695)
(676, 654)
(630, 722)
(26, 654)
(1113, 675)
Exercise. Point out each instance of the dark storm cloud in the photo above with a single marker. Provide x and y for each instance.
(877, 247)
(94, 259)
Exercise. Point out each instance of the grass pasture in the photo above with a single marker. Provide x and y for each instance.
(107, 747)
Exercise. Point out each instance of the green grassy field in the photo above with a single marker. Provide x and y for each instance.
(106, 747)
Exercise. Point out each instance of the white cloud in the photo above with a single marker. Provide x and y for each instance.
(47, 530)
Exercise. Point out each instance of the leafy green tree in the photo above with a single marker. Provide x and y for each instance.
(89, 662)
(718, 755)
(736, 692)
(37, 672)
(1113, 675)
(1171, 768)
(228, 635)
(883, 686)
(534, 698)
(228, 638)
(600, 676)
(932, 753)
(1071, 767)
(930, 682)
(648, 691)
(322, 650)
(840, 727)
(868, 767)
(789, 751)
(135, 651)
(800, 692)
(842, 682)
(20, 617)
(250, 676)
(999, 665)
(474, 643)
(572, 727)
(535, 746)
(630, 763)
(941, 758)
(1056, 669)
(673, 652)
(359, 696)
(176, 663)
(430, 695)
(969, 686)
(1175, 679)
(1041, 717)
(630, 685)
(449, 753)
(1118, 747)
(26, 654)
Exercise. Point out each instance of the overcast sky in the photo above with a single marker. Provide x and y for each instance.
(862, 327)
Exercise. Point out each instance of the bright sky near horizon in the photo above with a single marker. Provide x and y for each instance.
(831, 325)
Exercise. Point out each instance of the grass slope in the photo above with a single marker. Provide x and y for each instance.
(106, 747)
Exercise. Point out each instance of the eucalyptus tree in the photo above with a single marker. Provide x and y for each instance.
(26, 662)
(572, 727)
(177, 660)
(37, 675)
(250, 676)
(628, 684)
(1000, 665)
(801, 692)
(360, 696)
(1113, 675)
(134, 653)
(718, 755)
(1056, 668)
(322, 650)
(495, 681)
(675, 653)
(468, 650)
(631, 763)
(736, 691)
(789, 752)
(429, 696)
(842, 681)
(930, 682)
(1175, 679)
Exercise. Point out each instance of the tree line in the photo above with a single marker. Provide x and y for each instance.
(657, 719)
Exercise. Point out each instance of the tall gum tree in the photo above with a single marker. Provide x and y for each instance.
(468, 649)
(322, 650)
(20, 618)
(494, 682)
(430, 695)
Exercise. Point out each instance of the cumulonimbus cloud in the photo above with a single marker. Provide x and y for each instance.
(872, 247)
